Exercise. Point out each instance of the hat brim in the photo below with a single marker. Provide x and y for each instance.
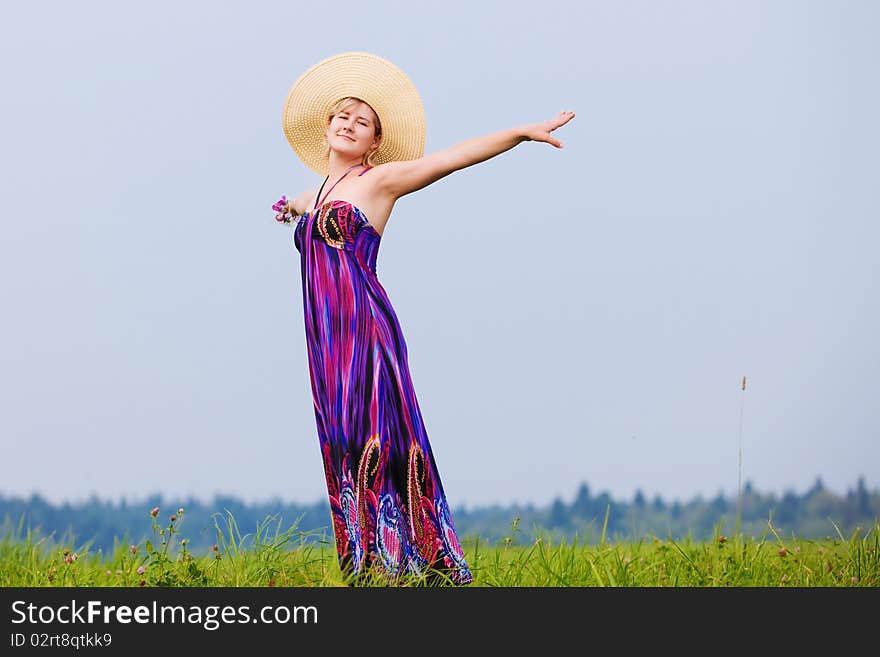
(373, 79)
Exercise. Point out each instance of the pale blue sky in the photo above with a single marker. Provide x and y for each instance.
(583, 314)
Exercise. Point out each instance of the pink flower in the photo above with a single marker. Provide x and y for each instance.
(283, 214)
(141, 570)
(155, 511)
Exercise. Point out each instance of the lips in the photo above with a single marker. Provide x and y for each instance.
(346, 137)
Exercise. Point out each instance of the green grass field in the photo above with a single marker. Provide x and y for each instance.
(272, 557)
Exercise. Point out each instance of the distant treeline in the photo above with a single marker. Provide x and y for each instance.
(817, 513)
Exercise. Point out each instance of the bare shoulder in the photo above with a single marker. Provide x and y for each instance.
(375, 181)
(403, 177)
(384, 180)
(303, 202)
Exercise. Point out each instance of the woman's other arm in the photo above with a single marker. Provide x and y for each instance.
(302, 203)
(400, 178)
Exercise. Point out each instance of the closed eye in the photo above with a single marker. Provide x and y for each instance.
(345, 116)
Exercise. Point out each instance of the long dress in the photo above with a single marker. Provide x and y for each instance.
(387, 503)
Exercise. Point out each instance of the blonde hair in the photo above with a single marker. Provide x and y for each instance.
(336, 109)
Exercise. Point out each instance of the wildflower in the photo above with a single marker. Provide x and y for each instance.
(180, 511)
(133, 549)
(782, 552)
(722, 539)
(173, 518)
(626, 560)
(108, 573)
(155, 511)
(66, 552)
(184, 541)
(821, 550)
(141, 570)
(854, 579)
(214, 548)
(142, 582)
(797, 548)
(119, 571)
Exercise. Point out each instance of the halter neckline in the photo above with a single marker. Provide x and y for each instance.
(349, 170)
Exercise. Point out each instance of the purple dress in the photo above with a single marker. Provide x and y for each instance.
(387, 504)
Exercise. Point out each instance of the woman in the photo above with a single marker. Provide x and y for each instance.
(356, 119)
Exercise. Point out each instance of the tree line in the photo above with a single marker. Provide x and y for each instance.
(588, 518)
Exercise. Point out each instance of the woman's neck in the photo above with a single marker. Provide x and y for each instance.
(339, 165)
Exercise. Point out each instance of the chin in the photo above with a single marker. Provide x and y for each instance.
(350, 152)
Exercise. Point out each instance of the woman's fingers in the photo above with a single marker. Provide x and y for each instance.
(564, 117)
(541, 131)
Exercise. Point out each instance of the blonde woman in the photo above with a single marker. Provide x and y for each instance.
(357, 120)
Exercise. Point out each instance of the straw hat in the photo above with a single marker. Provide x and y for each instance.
(373, 79)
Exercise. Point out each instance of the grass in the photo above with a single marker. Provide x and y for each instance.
(271, 556)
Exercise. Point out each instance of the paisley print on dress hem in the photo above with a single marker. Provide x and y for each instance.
(387, 504)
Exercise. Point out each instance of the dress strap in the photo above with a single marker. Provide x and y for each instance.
(317, 202)
(319, 191)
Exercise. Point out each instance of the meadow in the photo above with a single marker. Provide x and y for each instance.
(272, 556)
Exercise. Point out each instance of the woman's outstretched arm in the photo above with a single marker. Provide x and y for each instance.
(400, 178)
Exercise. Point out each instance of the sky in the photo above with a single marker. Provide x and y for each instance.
(583, 314)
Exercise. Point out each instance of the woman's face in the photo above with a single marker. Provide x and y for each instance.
(353, 129)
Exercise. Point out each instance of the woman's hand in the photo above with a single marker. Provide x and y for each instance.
(541, 131)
